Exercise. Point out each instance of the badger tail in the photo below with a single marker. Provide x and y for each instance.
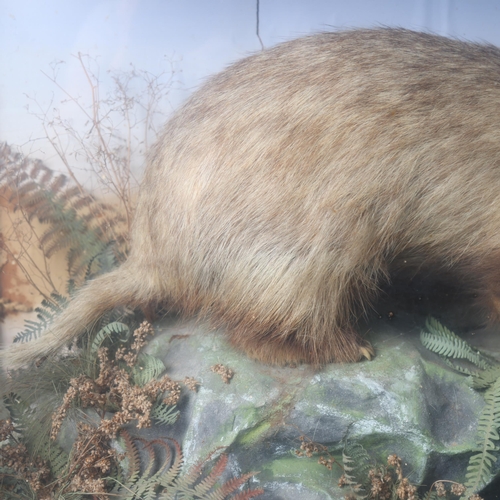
(119, 287)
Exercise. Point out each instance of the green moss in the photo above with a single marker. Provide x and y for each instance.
(304, 471)
(251, 436)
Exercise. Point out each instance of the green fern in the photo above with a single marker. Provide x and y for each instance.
(485, 379)
(357, 464)
(115, 327)
(57, 458)
(164, 414)
(442, 341)
(101, 263)
(480, 464)
(45, 313)
(147, 368)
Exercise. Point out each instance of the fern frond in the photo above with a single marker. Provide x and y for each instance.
(458, 368)
(357, 464)
(115, 327)
(485, 379)
(480, 464)
(233, 484)
(58, 459)
(206, 484)
(133, 457)
(45, 313)
(164, 414)
(53, 306)
(58, 183)
(148, 491)
(147, 368)
(145, 485)
(245, 495)
(193, 485)
(32, 330)
(174, 470)
(78, 222)
(101, 262)
(18, 409)
(442, 341)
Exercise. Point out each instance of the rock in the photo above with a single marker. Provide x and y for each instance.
(406, 401)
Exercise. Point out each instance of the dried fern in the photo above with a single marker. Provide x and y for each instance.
(77, 222)
(198, 483)
(437, 338)
(166, 479)
(143, 484)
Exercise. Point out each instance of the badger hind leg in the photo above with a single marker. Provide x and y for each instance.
(305, 344)
(302, 312)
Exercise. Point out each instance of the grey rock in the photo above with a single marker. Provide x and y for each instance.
(405, 401)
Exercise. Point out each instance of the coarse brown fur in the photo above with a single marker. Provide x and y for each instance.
(286, 191)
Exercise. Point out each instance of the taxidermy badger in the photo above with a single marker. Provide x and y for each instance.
(288, 189)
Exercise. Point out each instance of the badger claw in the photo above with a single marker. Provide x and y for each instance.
(366, 351)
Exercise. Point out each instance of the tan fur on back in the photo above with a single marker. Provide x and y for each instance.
(291, 185)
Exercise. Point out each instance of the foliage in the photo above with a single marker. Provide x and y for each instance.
(76, 221)
(357, 465)
(107, 383)
(166, 481)
(45, 313)
(485, 379)
(125, 389)
(439, 339)
(113, 328)
(368, 480)
(480, 464)
(146, 369)
(164, 414)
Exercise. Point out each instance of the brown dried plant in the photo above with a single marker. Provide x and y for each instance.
(117, 401)
(370, 481)
(308, 448)
(115, 128)
(109, 145)
(114, 389)
(225, 373)
(17, 465)
(110, 400)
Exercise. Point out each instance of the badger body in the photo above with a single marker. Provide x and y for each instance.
(288, 189)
